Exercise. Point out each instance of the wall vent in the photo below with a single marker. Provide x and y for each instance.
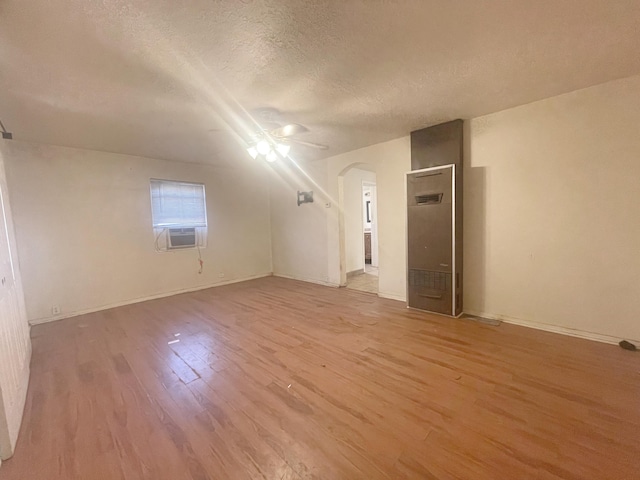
(429, 279)
(430, 199)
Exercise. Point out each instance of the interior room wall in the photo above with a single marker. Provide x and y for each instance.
(83, 227)
(551, 229)
(551, 213)
(15, 343)
(353, 217)
(305, 239)
(390, 161)
(551, 232)
(299, 233)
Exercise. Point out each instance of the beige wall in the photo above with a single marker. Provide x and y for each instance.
(552, 229)
(390, 161)
(550, 213)
(299, 233)
(83, 225)
(306, 240)
(15, 344)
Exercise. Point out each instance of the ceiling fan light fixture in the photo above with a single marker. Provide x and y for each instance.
(283, 149)
(271, 156)
(253, 151)
(263, 147)
(288, 130)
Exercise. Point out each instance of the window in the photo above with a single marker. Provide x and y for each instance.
(179, 214)
(177, 204)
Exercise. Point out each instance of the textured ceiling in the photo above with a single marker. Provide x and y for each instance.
(154, 77)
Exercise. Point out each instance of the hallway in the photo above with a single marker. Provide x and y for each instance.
(365, 282)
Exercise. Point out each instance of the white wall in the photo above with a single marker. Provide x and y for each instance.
(353, 216)
(299, 233)
(15, 344)
(550, 213)
(83, 226)
(305, 239)
(390, 161)
(552, 229)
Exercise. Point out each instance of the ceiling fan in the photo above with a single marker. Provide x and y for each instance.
(286, 133)
(275, 139)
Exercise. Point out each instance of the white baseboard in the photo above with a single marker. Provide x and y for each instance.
(38, 321)
(307, 279)
(572, 332)
(392, 296)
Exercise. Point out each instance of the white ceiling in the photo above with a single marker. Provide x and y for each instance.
(153, 77)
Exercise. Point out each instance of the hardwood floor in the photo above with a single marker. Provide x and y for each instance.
(278, 379)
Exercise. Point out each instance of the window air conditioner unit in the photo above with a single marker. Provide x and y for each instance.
(182, 238)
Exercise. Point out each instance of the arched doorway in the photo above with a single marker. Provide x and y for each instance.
(358, 227)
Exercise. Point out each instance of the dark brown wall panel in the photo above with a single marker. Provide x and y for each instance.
(432, 147)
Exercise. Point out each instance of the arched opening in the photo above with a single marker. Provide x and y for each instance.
(358, 227)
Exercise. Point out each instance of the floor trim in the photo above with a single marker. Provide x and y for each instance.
(392, 296)
(512, 320)
(305, 279)
(572, 332)
(39, 321)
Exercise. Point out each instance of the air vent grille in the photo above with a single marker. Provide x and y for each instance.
(429, 279)
(430, 199)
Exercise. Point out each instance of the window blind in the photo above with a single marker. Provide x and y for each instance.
(177, 204)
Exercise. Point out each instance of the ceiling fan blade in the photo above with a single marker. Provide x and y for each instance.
(319, 146)
(288, 130)
(270, 126)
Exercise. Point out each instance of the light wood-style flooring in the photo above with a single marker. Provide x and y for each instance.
(278, 379)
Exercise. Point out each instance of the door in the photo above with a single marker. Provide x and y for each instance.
(14, 342)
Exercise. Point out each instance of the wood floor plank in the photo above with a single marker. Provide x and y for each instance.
(278, 379)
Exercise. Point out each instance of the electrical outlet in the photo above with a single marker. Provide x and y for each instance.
(55, 310)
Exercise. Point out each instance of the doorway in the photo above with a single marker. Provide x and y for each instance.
(360, 230)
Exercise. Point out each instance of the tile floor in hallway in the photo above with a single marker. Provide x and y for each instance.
(365, 282)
